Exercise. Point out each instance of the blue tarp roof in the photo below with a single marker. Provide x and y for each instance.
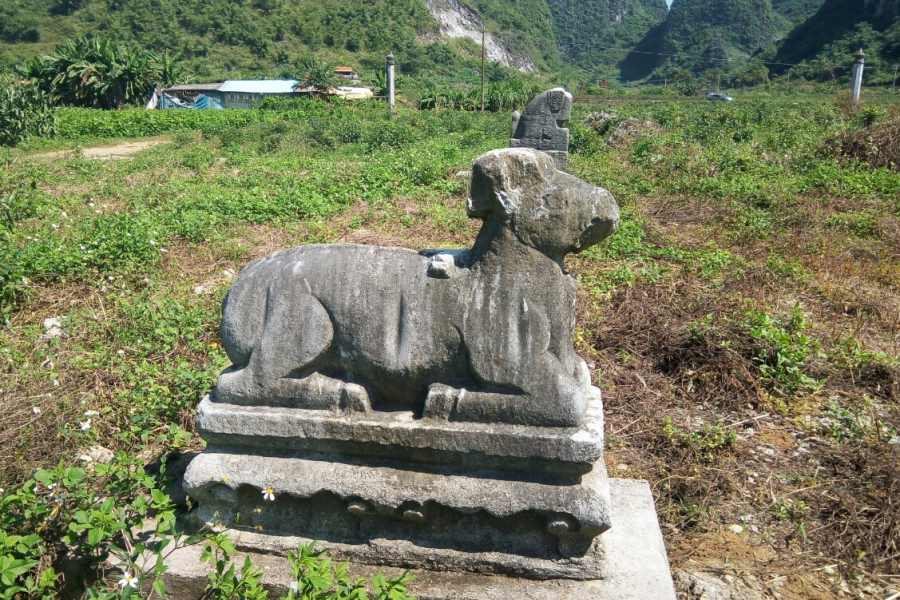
(259, 86)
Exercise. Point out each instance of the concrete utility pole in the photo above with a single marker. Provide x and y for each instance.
(482, 66)
(390, 79)
(856, 75)
(894, 85)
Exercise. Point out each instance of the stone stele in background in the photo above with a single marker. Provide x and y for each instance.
(426, 410)
(539, 125)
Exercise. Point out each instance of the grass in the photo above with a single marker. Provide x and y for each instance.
(743, 322)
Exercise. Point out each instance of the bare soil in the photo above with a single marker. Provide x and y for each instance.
(112, 152)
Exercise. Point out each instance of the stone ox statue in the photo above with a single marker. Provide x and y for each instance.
(483, 334)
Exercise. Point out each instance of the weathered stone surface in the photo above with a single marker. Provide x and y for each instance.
(558, 451)
(438, 518)
(635, 563)
(539, 125)
(482, 335)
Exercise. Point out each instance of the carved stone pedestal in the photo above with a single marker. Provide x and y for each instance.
(635, 563)
(390, 489)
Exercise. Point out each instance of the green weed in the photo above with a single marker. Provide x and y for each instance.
(706, 441)
(783, 349)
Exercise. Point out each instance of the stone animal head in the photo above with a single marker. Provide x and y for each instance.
(519, 190)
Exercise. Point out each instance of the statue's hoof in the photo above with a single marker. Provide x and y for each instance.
(440, 402)
(354, 398)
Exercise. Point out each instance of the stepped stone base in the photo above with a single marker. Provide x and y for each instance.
(461, 521)
(480, 498)
(636, 565)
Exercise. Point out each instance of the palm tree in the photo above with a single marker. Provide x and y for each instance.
(171, 71)
(432, 97)
(320, 75)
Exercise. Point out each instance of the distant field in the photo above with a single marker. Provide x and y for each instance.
(743, 323)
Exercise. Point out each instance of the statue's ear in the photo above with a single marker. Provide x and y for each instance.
(502, 178)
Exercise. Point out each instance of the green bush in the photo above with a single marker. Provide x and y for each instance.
(85, 123)
(25, 111)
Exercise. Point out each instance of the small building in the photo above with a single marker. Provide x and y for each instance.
(346, 73)
(246, 93)
(192, 95)
(233, 93)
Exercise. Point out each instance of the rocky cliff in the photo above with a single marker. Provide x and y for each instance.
(456, 20)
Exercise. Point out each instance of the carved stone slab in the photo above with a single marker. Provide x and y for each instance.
(557, 451)
(539, 126)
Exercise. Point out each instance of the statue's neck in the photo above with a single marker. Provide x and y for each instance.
(496, 245)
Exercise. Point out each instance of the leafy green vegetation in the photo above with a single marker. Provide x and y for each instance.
(571, 43)
(274, 38)
(25, 111)
(744, 43)
(795, 12)
(702, 35)
(590, 33)
(93, 72)
(823, 44)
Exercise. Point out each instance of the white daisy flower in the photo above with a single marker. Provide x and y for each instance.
(269, 493)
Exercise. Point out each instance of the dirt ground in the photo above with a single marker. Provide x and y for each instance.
(112, 152)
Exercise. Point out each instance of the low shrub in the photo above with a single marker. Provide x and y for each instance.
(878, 145)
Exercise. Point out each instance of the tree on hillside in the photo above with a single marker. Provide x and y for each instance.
(171, 70)
(713, 77)
(318, 74)
(686, 83)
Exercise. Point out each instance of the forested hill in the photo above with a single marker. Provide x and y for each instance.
(791, 13)
(748, 41)
(590, 32)
(229, 38)
(823, 43)
(570, 40)
(265, 38)
(704, 34)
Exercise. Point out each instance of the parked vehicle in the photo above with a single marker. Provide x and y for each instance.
(718, 96)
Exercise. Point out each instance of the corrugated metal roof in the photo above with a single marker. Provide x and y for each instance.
(195, 87)
(259, 86)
